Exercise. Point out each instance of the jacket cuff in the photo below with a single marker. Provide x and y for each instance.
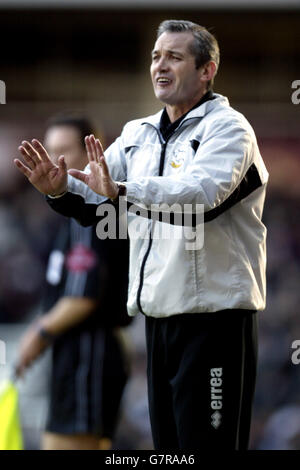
(131, 192)
(69, 189)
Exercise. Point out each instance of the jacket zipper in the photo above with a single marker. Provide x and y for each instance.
(163, 144)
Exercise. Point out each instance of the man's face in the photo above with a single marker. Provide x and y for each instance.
(65, 140)
(176, 81)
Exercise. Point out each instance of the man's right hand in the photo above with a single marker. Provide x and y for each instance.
(42, 173)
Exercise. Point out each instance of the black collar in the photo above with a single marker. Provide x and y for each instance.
(167, 127)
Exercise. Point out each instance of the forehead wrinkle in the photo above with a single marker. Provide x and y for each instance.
(169, 51)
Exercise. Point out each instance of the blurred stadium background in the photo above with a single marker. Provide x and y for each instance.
(59, 55)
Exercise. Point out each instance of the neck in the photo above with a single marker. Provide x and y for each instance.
(177, 110)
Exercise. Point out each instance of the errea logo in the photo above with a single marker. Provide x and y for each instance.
(216, 419)
(216, 397)
(2, 92)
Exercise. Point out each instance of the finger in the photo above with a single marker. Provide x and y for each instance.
(93, 146)
(89, 149)
(27, 157)
(80, 175)
(31, 152)
(99, 149)
(26, 171)
(62, 164)
(16, 368)
(20, 368)
(105, 169)
(41, 150)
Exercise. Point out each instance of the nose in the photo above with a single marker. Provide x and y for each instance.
(162, 64)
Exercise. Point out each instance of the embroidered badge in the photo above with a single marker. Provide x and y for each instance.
(80, 258)
(178, 158)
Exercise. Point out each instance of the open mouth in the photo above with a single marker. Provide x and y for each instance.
(163, 81)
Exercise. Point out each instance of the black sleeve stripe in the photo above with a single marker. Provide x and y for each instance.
(250, 183)
(74, 205)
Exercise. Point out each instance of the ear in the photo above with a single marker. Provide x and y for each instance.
(208, 71)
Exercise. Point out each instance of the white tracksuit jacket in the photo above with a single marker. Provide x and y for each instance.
(211, 159)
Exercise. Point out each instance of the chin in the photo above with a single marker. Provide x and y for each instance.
(160, 95)
(164, 99)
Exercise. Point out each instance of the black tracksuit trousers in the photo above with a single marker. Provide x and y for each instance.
(201, 379)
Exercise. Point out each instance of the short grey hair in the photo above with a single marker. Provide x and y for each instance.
(205, 47)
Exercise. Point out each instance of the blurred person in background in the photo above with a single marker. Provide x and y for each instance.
(84, 304)
(200, 304)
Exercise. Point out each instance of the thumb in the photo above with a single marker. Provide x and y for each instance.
(62, 164)
(80, 175)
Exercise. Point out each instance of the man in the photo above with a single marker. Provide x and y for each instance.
(200, 305)
(85, 303)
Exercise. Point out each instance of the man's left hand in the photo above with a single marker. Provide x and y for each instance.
(99, 179)
(31, 347)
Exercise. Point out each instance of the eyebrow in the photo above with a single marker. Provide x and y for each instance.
(170, 51)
